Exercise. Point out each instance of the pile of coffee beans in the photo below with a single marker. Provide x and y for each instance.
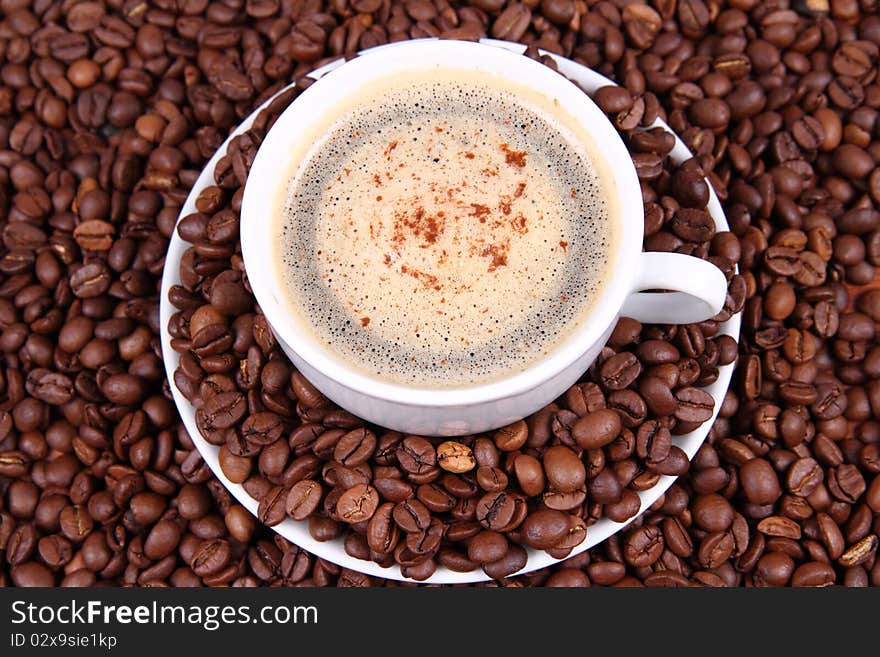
(109, 110)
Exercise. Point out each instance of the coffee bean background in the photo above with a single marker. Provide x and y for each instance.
(108, 112)
(531, 483)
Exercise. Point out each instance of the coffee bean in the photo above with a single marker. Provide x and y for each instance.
(32, 574)
(512, 23)
(814, 573)
(75, 523)
(211, 557)
(272, 506)
(55, 551)
(529, 476)
(487, 546)
(779, 301)
(564, 470)
(455, 457)
(416, 455)
(642, 24)
(653, 442)
(872, 498)
(543, 529)
(657, 395)
(694, 405)
(412, 515)
(358, 503)
(597, 429)
(511, 437)
(147, 507)
(620, 371)
(495, 510)
(303, 498)
(162, 539)
(774, 569)
(514, 560)
(94, 235)
(382, 530)
(436, 498)
(846, 483)
(860, 552)
(759, 482)
(90, 281)
(643, 547)
(13, 464)
(355, 447)
(613, 99)
(625, 508)
(492, 479)
(712, 512)
(606, 573)
(780, 526)
(692, 224)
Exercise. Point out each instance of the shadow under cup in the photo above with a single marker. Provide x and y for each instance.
(473, 409)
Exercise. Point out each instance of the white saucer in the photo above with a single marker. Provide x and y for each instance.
(297, 531)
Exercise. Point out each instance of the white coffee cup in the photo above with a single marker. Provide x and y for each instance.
(697, 288)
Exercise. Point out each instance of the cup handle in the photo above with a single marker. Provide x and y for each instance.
(697, 290)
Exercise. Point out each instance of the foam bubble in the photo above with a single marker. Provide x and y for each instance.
(443, 235)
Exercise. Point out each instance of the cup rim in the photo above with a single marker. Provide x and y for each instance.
(266, 176)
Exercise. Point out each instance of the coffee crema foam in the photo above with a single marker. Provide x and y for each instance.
(444, 234)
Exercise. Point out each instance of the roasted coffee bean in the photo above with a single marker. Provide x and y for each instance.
(485, 453)
(75, 523)
(272, 506)
(814, 573)
(30, 574)
(529, 475)
(860, 552)
(495, 510)
(625, 508)
(560, 501)
(512, 437)
(597, 429)
(545, 528)
(223, 410)
(358, 503)
(657, 395)
(620, 371)
(382, 530)
(162, 539)
(693, 225)
(653, 442)
(492, 479)
(435, 497)
(644, 546)
(211, 557)
(303, 499)
(712, 512)
(613, 99)
(513, 561)
(803, 477)
(759, 482)
(426, 541)
(780, 526)
(455, 457)
(565, 472)
(411, 515)
(694, 405)
(416, 455)
(355, 447)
